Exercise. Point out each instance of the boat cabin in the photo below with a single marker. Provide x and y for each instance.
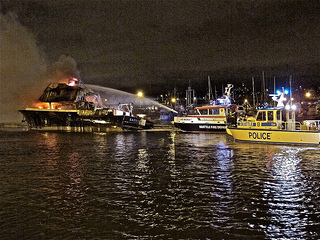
(273, 118)
(209, 111)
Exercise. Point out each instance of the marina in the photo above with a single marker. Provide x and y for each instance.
(155, 185)
(159, 120)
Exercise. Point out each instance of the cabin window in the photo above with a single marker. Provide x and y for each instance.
(279, 115)
(261, 116)
(214, 111)
(203, 111)
(291, 114)
(270, 115)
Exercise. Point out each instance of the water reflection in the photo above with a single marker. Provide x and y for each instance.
(285, 193)
(160, 185)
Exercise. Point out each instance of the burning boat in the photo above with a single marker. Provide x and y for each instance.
(73, 107)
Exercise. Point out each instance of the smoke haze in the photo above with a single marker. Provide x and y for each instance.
(24, 73)
(21, 66)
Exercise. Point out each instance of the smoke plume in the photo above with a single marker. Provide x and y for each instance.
(22, 66)
(62, 70)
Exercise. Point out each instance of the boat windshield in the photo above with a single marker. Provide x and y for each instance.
(214, 111)
(270, 115)
(203, 111)
(261, 116)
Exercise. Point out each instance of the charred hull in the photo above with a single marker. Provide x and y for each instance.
(74, 121)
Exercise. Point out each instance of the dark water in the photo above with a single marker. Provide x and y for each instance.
(155, 185)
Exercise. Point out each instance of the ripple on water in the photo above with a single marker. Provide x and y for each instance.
(161, 185)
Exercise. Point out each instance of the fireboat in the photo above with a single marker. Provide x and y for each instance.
(211, 118)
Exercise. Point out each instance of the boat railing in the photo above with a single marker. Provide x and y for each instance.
(291, 125)
(312, 124)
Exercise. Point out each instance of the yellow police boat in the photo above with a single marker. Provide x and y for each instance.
(278, 126)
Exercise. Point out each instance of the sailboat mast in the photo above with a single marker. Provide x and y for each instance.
(210, 89)
(290, 80)
(253, 95)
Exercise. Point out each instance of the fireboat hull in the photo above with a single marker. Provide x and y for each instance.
(201, 127)
(201, 124)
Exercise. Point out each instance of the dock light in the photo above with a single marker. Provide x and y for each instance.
(140, 94)
(173, 100)
(308, 94)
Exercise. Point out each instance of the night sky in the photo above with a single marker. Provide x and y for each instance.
(156, 45)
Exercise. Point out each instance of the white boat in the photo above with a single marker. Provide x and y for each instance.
(210, 118)
(276, 125)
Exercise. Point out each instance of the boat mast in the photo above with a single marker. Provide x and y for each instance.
(274, 87)
(263, 89)
(190, 97)
(210, 89)
(290, 80)
(215, 92)
(253, 96)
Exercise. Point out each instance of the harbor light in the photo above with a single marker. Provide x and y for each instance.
(140, 94)
(308, 94)
(173, 100)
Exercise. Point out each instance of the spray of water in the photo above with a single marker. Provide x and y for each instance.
(112, 97)
(21, 67)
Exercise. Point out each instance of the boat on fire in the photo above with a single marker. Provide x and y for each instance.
(71, 106)
(211, 118)
(276, 125)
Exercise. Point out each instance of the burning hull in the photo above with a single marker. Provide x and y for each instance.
(81, 121)
(74, 108)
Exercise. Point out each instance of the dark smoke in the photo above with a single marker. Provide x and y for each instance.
(62, 70)
(24, 73)
(22, 65)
